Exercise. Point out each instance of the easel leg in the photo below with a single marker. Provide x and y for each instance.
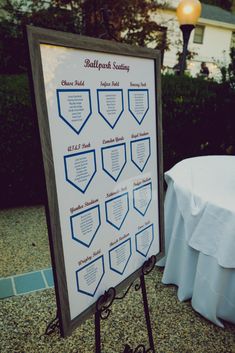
(146, 311)
(103, 309)
(97, 333)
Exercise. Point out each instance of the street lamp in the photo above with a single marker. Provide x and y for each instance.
(188, 12)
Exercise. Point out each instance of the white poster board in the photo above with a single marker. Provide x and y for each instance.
(102, 119)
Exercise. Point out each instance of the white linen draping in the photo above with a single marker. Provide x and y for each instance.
(200, 234)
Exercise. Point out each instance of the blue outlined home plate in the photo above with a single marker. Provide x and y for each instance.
(89, 276)
(74, 107)
(80, 169)
(114, 159)
(116, 210)
(119, 256)
(84, 225)
(110, 105)
(138, 103)
(142, 197)
(144, 239)
(140, 152)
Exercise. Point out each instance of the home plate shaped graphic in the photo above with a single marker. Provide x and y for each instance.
(89, 277)
(110, 105)
(74, 107)
(119, 256)
(144, 239)
(138, 103)
(116, 210)
(85, 225)
(140, 152)
(142, 197)
(114, 160)
(80, 169)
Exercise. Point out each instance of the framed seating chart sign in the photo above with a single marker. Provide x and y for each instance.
(99, 114)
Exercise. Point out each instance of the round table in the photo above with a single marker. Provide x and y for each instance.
(200, 234)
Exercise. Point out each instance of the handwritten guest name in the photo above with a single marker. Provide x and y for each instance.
(96, 64)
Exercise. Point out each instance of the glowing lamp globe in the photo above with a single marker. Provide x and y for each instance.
(188, 12)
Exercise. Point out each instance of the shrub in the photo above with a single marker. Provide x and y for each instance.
(21, 171)
(197, 118)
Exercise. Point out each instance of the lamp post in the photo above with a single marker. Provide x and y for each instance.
(188, 12)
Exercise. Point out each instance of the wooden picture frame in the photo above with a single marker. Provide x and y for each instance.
(38, 40)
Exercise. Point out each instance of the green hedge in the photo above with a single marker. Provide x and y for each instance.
(198, 119)
(21, 171)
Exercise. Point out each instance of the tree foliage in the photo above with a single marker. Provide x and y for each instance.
(125, 21)
(231, 68)
(224, 4)
(130, 21)
(228, 72)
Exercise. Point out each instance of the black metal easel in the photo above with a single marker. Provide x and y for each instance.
(103, 310)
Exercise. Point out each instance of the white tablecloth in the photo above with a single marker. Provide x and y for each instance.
(200, 234)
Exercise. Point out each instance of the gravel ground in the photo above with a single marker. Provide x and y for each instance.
(23, 241)
(177, 328)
